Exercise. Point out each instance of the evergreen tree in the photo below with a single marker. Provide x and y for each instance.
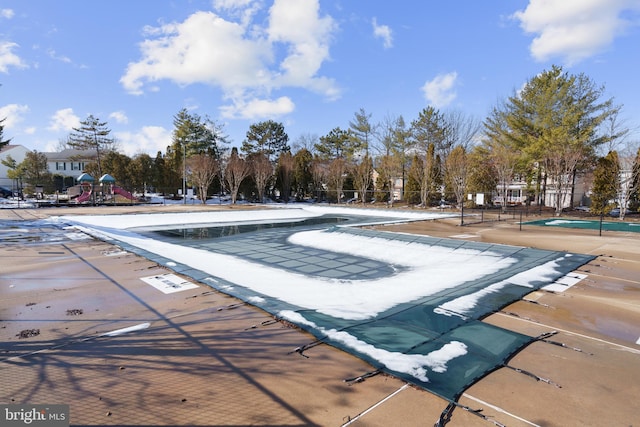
(482, 173)
(35, 171)
(92, 135)
(383, 190)
(268, 138)
(192, 134)
(284, 175)
(362, 131)
(606, 180)
(555, 121)
(429, 128)
(302, 179)
(336, 144)
(142, 172)
(118, 165)
(3, 141)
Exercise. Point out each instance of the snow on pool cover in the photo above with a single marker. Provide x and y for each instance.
(409, 305)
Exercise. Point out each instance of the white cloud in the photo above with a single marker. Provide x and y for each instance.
(64, 120)
(244, 10)
(245, 61)
(440, 91)
(149, 139)
(203, 49)
(12, 115)
(7, 13)
(573, 29)
(258, 108)
(231, 4)
(54, 55)
(119, 117)
(8, 58)
(297, 24)
(383, 32)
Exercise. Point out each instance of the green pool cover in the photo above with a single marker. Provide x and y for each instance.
(434, 338)
(588, 224)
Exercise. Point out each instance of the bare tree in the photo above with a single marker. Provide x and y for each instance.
(363, 177)
(306, 141)
(336, 176)
(261, 171)
(456, 167)
(503, 153)
(629, 179)
(319, 172)
(235, 171)
(615, 129)
(393, 147)
(504, 159)
(204, 169)
(461, 129)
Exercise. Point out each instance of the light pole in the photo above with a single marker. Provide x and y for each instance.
(184, 174)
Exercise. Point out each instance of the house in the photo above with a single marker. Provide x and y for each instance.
(16, 152)
(69, 162)
(574, 192)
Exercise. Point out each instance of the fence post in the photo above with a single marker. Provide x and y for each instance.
(520, 219)
(601, 216)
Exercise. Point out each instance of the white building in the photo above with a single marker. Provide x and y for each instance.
(69, 162)
(17, 153)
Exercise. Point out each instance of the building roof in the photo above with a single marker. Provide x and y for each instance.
(10, 147)
(69, 154)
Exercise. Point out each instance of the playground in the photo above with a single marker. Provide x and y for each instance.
(108, 190)
(593, 320)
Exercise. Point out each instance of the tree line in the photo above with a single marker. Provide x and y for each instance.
(557, 128)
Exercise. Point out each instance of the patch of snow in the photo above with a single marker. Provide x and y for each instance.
(415, 365)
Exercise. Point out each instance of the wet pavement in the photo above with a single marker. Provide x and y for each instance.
(198, 357)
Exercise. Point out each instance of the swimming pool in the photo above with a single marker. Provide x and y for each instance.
(409, 305)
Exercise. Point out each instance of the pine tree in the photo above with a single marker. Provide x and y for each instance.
(362, 130)
(92, 135)
(606, 180)
(554, 120)
(268, 138)
(3, 141)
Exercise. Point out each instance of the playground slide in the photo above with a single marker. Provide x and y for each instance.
(123, 193)
(86, 195)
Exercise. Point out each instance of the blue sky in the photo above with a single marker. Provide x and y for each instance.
(309, 64)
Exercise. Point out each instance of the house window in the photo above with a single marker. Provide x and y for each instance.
(514, 195)
(61, 166)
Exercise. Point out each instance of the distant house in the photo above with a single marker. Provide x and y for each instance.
(17, 153)
(69, 162)
(518, 193)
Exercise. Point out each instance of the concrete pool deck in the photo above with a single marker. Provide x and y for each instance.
(206, 359)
